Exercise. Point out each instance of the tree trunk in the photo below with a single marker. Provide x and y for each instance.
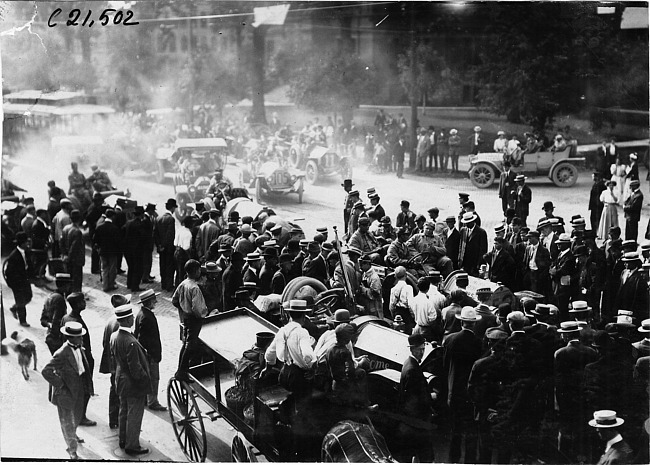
(413, 99)
(258, 114)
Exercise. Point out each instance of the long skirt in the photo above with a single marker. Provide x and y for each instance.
(608, 219)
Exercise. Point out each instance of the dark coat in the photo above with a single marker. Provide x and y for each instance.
(486, 381)
(132, 378)
(607, 383)
(414, 397)
(570, 362)
(451, 244)
(506, 182)
(266, 277)
(147, 333)
(108, 238)
(86, 338)
(147, 233)
(73, 246)
(462, 349)
(522, 201)
(231, 282)
(107, 364)
(398, 152)
(165, 231)
(564, 266)
(633, 206)
(619, 453)
(633, 295)
(40, 235)
(476, 245)
(315, 268)
(62, 373)
(501, 267)
(16, 273)
(594, 196)
(208, 233)
(133, 237)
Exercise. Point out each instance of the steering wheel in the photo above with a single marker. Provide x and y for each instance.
(423, 255)
(326, 303)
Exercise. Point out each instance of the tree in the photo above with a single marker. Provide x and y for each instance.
(330, 81)
(536, 63)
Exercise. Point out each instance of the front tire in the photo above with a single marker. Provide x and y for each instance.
(482, 176)
(311, 172)
(301, 189)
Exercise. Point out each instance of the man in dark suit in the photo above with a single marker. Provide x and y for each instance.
(107, 363)
(398, 155)
(208, 233)
(232, 280)
(148, 335)
(133, 247)
(16, 273)
(77, 304)
(40, 235)
(164, 233)
(536, 264)
(633, 291)
(148, 220)
(415, 403)
(120, 221)
(73, 250)
(108, 243)
(452, 240)
(68, 375)
(501, 264)
(632, 210)
(132, 380)
(506, 185)
(461, 351)
(595, 205)
(253, 264)
(617, 450)
(522, 196)
(563, 277)
(314, 266)
(476, 140)
(472, 244)
(570, 362)
(485, 387)
(93, 215)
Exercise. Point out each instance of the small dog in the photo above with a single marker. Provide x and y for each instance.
(25, 348)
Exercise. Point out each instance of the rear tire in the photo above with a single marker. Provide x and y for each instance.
(565, 175)
(311, 172)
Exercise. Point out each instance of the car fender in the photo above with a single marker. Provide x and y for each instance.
(494, 166)
(572, 161)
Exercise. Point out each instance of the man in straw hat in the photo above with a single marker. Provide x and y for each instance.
(132, 379)
(69, 376)
(616, 449)
(189, 301)
(292, 345)
(148, 335)
(107, 363)
(473, 244)
(632, 210)
(633, 291)
(643, 347)
(562, 273)
(570, 362)
(461, 350)
(415, 402)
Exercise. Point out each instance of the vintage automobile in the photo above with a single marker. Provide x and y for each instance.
(190, 164)
(318, 161)
(273, 178)
(560, 167)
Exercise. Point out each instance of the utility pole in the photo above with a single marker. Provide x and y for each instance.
(414, 103)
(190, 110)
(259, 37)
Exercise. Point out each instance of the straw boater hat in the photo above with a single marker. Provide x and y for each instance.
(569, 327)
(253, 257)
(124, 311)
(563, 239)
(645, 326)
(148, 294)
(625, 319)
(468, 217)
(298, 305)
(606, 419)
(579, 306)
(73, 328)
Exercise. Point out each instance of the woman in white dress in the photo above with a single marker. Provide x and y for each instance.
(609, 217)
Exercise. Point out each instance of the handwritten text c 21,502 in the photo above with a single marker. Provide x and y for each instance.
(124, 17)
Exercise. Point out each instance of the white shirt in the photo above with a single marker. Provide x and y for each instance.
(436, 297)
(291, 345)
(422, 309)
(327, 340)
(400, 294)
(125, 328)
(183, 238)
(77, 355)
(531, 264)
(611, 442)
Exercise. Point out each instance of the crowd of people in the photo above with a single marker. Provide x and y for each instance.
(576, 344)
